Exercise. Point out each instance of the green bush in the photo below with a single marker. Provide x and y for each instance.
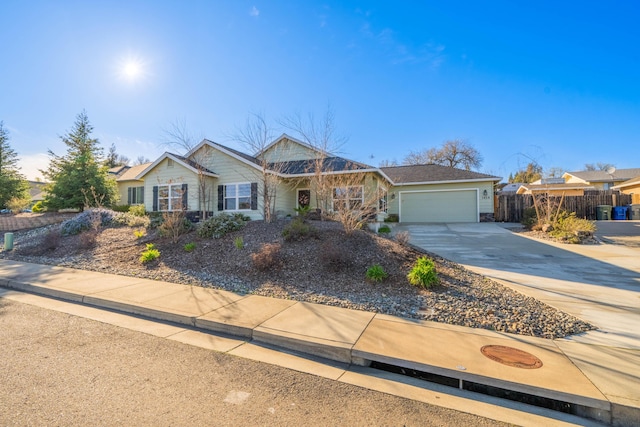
(121, 208)
(384, 229)
(189, 247)
(423, 273)
(376, 273)
(298, 230)
(239, 242)
(91, 218)
(571, 229)
(37, 208)
(529, 217)
(392, 218)
(150, 254)
(128, 219)
(137, 210)
(139, 233)
(219, 225)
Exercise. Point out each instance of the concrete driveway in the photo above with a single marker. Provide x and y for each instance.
(626, 233)
(597, 283)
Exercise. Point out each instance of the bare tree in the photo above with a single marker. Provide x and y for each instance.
(453, 153)
(140, 160)
(321, 135)
(177, 135)
(388, 163)
(256, 135)
(600, 166)
(353, 204)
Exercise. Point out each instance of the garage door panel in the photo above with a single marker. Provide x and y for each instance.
(439, 206)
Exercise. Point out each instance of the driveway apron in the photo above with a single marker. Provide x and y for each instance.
(597, 283)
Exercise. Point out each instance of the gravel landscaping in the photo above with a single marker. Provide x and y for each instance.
(326, 267)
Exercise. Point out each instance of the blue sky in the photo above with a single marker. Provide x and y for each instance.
(554, 82)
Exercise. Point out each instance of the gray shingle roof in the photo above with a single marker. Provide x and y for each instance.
(193, 164)
(329, 164)
(603, 176)
(432, 173)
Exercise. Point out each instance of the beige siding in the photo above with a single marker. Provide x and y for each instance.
(162, 174)
(485, 203)
(289, 150)
(123, 187)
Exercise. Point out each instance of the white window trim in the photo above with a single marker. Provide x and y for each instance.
(237, 197)
(169, 204)
(385, 190)
(348, 199)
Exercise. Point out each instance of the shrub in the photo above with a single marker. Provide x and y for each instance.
(150, 254)
(572, 229)
(376, 273)
(17, 204)
(91, 218)
(128, 219)
(174, 225)
(238, 242)
(88, 239)
(219, 225)
(384, 229)
(38, 207)
(139, 233)
(392, 218)
(335, 258)
(423, 273)
(137, 210)
(121, 208)
(51, 240)
(268, 257)
(529, 217)
(403, 238)
(298, 230)
(189, 247)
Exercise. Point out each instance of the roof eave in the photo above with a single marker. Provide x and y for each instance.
(450, 181)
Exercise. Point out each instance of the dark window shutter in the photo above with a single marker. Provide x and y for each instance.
(129, 195)
(141, 195)
(220, 198)
(155, 198)
(254, 196)
(185, 197)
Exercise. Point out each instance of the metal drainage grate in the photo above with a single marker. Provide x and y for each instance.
(511, 356)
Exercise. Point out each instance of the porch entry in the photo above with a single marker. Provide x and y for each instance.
(304, 197)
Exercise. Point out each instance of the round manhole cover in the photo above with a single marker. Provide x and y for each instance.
(511, 356)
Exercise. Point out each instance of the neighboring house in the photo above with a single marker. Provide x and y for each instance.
(632, 187)
(555, 187)
(511, 188)
(434, 193)
(36, 191)
(601, 180)
(215, 178)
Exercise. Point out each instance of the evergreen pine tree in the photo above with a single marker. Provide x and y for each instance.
(12, 182)
(79, 179)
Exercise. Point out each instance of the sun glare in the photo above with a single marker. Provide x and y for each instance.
(131, 69)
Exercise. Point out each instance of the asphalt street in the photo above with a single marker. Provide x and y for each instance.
(59, 369)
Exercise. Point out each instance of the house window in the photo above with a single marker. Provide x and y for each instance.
(607, 185)
(348, 197)
(170, 197)
(169, 163)
(135, 195)
(237, 197)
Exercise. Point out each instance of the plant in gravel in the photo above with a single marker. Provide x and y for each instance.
(128, 219)
(392, 218)
(402, 237)
(51, 240)
(140, 233)
(37, 208)
(571, 229)
(423, 273)
(268, 257)
(137, 210)
(298, 230)
(87, 239)
(150, 254)
(219, 225)
(384, 230)
(238, 242)
(189, 247)
(334, 257)
(121, 208)
(376, 273)
(86, 220)
(174, 225)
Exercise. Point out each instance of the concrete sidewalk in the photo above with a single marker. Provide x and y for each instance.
(580, 375)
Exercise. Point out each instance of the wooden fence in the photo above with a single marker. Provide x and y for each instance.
(510, 207)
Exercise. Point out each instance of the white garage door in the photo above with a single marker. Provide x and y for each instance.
(439, 206)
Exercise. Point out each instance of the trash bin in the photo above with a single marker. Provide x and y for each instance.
(634, 211)
(8, 241)
(603, 212)
(619, 212)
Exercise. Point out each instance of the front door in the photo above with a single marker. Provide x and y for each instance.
(304, 198)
